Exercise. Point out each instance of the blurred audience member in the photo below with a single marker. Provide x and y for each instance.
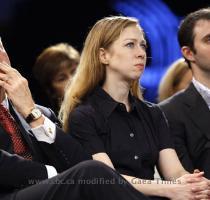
(177, 77)
(53, 68)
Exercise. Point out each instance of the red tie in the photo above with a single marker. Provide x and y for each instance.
(11, 127)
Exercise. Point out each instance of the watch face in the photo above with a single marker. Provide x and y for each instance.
(36, 113)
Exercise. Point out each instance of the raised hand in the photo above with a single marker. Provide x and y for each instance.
(15, 85)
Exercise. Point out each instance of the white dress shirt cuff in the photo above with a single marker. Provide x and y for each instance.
(45, 132)
(51, 171)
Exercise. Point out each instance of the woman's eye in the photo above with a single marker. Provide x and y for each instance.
(208, 38)
(130, 44)
(60, 78)
(143, 45)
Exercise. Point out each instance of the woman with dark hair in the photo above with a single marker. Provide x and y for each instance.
(53, 68)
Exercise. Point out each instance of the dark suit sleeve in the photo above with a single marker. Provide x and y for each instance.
(178, 132)
(66, 151)
(16, 172)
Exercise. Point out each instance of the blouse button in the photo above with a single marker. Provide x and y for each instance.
(136, 157)
(131, 134)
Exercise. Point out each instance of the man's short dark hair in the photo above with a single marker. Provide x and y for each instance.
(186, 30)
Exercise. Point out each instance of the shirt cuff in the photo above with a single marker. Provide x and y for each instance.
(51, 171)
(45, 132)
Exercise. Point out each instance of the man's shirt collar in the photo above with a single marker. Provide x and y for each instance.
(203, 90)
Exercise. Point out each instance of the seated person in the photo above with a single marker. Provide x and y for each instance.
(188, 111)
(52, 70)
(33, 149)
(177, 77)
(103, 109)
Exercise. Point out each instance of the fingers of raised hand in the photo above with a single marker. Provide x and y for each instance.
(11, 79)
(3, 54)
(8, 70)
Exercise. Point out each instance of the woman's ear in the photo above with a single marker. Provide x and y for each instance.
(103, 56)
(188, 53)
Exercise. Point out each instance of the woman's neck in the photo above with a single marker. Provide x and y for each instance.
(119, 91)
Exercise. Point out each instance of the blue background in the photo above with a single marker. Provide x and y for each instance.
(29, 26)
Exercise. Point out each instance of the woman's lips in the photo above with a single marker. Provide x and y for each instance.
(140, 66)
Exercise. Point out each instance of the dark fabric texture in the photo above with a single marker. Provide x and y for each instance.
(15, 171)
(89, 180)
(131, 139)
(188, 117)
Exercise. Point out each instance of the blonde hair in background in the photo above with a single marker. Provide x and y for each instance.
(91, 72)
(172, 77)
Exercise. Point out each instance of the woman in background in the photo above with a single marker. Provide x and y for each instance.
(53, 69)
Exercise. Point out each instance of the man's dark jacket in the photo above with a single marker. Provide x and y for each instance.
(189, 120)
(16, 172)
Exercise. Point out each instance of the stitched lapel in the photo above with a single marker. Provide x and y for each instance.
(197, 109)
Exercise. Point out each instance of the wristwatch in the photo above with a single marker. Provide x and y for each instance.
(34, 115)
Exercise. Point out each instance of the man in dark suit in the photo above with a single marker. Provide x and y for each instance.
(188, 111)
(33, 150)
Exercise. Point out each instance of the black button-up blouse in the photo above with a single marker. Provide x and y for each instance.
(132, 139)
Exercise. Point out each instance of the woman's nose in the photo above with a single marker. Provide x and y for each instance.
(141, 53)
